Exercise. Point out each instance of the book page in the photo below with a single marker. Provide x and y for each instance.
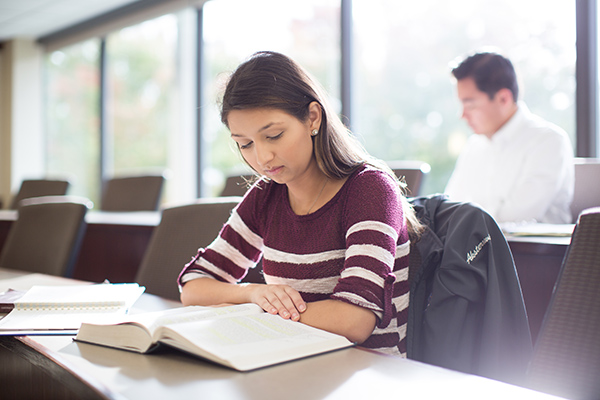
(8, 298)
(152, 320)
(134, 332)
(101, 295)
(249, 342)
(31, 322)
(62, 310)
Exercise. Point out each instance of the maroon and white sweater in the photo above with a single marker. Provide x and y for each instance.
(353, 249)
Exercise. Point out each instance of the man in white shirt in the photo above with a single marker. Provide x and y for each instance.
(517, 166)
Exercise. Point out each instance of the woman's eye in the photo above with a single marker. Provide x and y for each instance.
(275, 137)
(245, 146)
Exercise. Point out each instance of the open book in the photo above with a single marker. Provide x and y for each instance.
(242, 337)
(62, 309)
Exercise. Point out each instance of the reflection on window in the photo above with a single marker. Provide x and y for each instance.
(141, 112)
(308, 31)
(72, 114)
(405, 104)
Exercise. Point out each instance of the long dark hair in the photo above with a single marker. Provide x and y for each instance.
(272, 80)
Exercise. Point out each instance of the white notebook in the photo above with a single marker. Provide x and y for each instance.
(62, 309)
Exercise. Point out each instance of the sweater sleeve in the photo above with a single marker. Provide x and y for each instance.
(377, 246)
(237, 248)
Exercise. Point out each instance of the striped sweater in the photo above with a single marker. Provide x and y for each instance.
(354, 249)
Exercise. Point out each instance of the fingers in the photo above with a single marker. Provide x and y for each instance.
(282, 300)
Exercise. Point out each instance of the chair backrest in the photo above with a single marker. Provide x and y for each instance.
(566, 358)
(587, 185)
(132, 193)
(237, 185)
(181, 232)
(413, 172)
(39, 187)
(46, 236)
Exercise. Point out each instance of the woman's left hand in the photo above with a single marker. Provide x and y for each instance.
(277, 299)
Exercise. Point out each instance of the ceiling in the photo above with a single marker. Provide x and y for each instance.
(35, 18)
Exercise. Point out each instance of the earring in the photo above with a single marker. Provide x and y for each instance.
(314, 132)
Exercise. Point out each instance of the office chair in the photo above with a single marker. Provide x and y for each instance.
(182, 230)
(587, 187)
(132, 193)
(566, 358)
(237, 185)
(413, 173)
(39, 187)
(47, 235)
(466, 307)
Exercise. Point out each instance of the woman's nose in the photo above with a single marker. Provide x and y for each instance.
(263, 154)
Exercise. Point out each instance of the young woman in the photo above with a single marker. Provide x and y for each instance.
(330, 222)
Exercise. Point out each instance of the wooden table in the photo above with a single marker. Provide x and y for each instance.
(57, 367)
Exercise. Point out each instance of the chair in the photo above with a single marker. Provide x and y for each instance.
(466, 307)
(46, 236)
(413, 172)
(237, 185)
(39, 187)
(587, 185)
(132, 193)
(182, 230)
(566, 358)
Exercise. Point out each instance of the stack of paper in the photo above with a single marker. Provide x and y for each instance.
(62, 309)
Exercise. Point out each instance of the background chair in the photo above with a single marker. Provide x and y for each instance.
(46, 236)
(587, 185)
(237, 185)
(132, 193)
(39, 187)
(182, 230)
(566, 358)
(414, 173)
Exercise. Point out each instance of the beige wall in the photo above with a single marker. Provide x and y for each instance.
(21, 118)
(5, 122)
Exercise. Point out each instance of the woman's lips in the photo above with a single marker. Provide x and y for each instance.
(273, 171)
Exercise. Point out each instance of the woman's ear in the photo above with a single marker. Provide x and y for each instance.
(315, 114)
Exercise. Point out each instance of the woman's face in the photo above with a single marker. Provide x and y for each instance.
(274, 143)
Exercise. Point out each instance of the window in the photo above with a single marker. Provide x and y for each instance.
(405, 104)
(308, 31)
(72, 111)
(404, 100)
(149, 103)
(141, 97)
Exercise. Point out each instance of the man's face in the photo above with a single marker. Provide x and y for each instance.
(484, 115)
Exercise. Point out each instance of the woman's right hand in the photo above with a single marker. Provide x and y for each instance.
(277, 299)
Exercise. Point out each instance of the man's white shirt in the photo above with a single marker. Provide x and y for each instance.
(523, 173)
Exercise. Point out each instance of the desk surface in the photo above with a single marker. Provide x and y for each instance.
(347, 374)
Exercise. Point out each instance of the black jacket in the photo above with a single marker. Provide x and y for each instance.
(466, 307)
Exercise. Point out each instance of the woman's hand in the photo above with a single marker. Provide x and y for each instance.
(277, 299)
(274, 299)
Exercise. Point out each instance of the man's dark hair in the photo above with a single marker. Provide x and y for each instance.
(490, 71)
